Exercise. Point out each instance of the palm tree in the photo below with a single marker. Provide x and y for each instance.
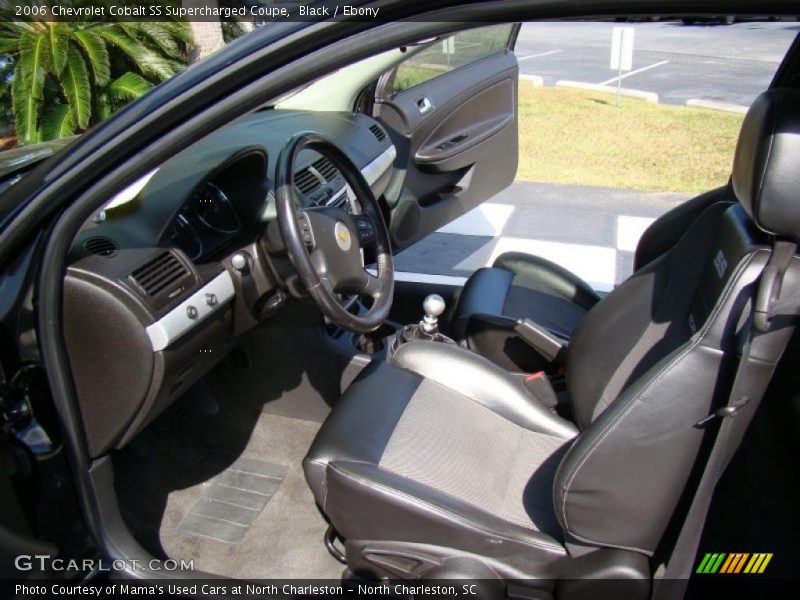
(69, 75)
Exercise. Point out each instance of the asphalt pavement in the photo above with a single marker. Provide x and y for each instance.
(723, 63)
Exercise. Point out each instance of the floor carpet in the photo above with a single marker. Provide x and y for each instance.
(172, 470)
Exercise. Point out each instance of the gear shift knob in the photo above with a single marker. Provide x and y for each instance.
(433, 306)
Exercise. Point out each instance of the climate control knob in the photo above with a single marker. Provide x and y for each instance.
(241, 262)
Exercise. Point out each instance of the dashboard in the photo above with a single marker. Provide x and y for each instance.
(208, 218)
(188, 198)
(172, 275)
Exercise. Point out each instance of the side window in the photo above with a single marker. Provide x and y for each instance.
(451, 53)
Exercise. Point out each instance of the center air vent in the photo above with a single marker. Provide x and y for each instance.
(306, 181)
(377, 132)
(101, 246)
(325, 168)
(159, 273)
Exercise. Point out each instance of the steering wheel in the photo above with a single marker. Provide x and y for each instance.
(324, 243)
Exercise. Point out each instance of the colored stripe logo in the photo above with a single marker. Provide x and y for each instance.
(736, 562)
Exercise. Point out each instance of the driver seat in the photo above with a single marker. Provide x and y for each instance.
(440, 463)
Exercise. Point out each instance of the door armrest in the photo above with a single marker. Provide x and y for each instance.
(548, 345)
(515, 344)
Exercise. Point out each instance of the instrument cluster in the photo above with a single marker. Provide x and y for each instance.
(205, 222)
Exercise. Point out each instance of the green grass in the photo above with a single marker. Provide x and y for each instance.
(409, 75)
(572, 136)
(468, 46)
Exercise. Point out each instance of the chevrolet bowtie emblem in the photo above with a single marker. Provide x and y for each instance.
(342, 236)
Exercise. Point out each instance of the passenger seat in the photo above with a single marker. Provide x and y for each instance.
(524, 286)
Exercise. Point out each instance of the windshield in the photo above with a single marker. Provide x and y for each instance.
(62, 76)
(64, 73)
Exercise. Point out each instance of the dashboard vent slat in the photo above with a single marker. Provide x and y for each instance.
(379, 133)
(306, 181)
(101, 246)
(326, 168)
(340, 202)
(158, 273)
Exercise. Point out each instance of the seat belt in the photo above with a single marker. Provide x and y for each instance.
(749, 385)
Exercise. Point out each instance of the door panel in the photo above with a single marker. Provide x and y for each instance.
(459, 132)
(457, 142)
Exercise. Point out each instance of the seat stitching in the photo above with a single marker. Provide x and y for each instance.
(439, 510)
(324, 479)
(517, 454)
(520, 433)
(507, 491)
(663, 372)
(656, 378)
(763, 178)
(517, 425)
(477, 401)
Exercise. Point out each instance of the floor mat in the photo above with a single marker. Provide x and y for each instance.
(182, 469)
(234, 499)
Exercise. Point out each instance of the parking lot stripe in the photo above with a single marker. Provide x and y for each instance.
(593, 236)
(714, 105)
(486, 219)
(630, 230)
(634, 72)
(594, 264)
(608, 89)
(551, 52)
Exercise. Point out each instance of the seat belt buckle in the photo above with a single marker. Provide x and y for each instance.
(724, 411)
(538, 385)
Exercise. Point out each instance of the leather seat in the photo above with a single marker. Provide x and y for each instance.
(524, 286)
(439, 463)
(435, 401)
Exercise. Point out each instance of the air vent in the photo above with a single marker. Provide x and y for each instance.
(326, 168)
(378, 132)
(101, 246)
(155, 275)
(306, 181)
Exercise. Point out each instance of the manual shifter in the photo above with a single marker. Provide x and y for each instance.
(433, 307)
(428, 328)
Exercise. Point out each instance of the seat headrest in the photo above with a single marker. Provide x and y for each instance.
(766, 168)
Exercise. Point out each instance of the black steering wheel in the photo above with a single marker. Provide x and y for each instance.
(324, 243)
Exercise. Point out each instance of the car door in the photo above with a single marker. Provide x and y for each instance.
(451, 109)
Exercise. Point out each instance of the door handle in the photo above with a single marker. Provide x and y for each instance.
(424, 105)
(452, 142)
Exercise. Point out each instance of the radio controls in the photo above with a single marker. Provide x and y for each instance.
(192, 312)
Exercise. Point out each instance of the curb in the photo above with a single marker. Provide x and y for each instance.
(534, 80)
(606, 89)
(718, 106)
(652, 97)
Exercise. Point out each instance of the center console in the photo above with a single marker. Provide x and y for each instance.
(427, 330)
(385, 340)
(390, 337)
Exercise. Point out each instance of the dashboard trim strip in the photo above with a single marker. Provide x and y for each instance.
(177, 322)
(373, 171)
